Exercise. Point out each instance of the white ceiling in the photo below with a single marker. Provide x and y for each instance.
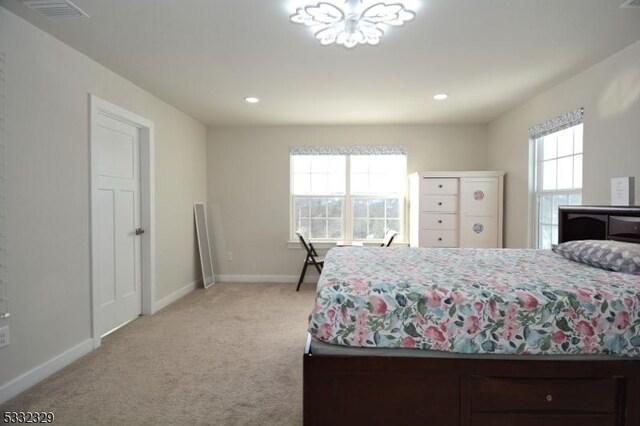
(205, 56)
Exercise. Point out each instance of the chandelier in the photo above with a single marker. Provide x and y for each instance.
(351, 22)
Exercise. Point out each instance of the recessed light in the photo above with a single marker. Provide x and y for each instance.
(440, 96)
(252, 99)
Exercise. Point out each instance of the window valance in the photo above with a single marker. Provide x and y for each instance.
(570, 119)
(349, 150)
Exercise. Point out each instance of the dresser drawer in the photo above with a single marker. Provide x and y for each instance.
(544, 420)
(489, 394)
(439, 203)
(437, 238)
(438, 220)
(446, 186)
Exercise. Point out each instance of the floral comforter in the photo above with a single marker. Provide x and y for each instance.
(475, 301)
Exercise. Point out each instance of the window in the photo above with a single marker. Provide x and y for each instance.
(558, 178)
(354, 197)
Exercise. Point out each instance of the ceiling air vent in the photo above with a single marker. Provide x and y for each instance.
(631, 3)
(54, 8)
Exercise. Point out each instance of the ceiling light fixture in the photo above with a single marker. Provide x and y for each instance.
(351, 22)
(252, 99)
(440, 96)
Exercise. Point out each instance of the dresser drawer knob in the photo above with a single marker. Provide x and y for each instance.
(440, 239)
(440, 221)
(440, 186)
(549, 398)
(440, 203)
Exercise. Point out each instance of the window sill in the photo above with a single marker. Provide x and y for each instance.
(326, 245)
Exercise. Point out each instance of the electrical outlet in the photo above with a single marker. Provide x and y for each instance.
(4, 336)
(230, 256)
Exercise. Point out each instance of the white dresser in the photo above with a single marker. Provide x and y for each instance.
(456, 209)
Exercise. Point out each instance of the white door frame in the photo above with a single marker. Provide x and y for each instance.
(98, 106)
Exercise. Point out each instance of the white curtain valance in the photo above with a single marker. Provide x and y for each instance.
(349, 150)
(570, 119)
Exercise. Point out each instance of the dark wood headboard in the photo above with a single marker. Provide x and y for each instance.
(598, 223)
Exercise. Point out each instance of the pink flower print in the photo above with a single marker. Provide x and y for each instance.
(559, 337)
(527, 299)
(443, 326)
(433, 333)
(493, 310)
(378, 306)
(584, 328)
(478, 306)
(605, 294)
(409, 342)
(590, 346)
(628, 302)
(325, 331)
(584, 296)
(344, 316)
(471, 325)
(331, 314)
(508, 331)
(433, 299)
(512, 312)
(361, 318)
(622, 320)
(457, 297)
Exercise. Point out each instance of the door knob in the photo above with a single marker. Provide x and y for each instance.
(139, 231)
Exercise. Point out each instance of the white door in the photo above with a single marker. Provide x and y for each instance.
(119, 264)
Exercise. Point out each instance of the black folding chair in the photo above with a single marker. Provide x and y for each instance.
(311, 259)
(388, 238)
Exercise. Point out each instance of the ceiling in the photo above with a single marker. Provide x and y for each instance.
(205, 56)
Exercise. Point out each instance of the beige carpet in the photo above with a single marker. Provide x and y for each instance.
(228, 355)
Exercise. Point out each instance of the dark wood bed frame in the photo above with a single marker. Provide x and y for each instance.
(382, 390)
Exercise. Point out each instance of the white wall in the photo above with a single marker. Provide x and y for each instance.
(610, 95)
(47, 190)
(248, 182)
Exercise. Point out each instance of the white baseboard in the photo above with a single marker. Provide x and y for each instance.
(166, 301)
(310, 278)
(44, 370)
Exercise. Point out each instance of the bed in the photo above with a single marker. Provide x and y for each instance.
(527, 343)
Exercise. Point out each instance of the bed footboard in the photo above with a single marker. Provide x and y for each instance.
(369, 390)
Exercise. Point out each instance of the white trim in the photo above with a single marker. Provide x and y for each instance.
(255, 279)
(98, 106)
(293, 245)
(44, 370)
(176, 295)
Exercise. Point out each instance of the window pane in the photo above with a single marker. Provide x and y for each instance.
(318, 228)
(301, 163)
(334, 208)
(577, 171)
(549, 175)
(565, 173)
(554, 235)
(558, 200)
(376, 208)
(335, 229)
(544, 237)
(565, 142)
(301, 184)
(360, 229)
(395, 225)
(549, 147)
(378, 174)
(318, 207)
(393, 209)
(376, 229)
(577, 137)
(545, 209)
(360, 208)
(319, 183)
(575, 199)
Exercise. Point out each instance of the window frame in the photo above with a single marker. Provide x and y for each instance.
(538, 179)
(347, 211)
